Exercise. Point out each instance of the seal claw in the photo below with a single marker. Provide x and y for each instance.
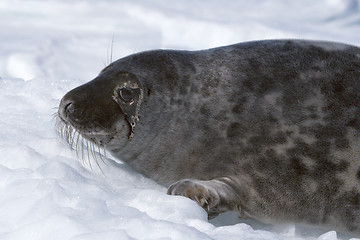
(196, 190)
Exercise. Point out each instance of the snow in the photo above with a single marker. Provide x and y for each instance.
(49, 47)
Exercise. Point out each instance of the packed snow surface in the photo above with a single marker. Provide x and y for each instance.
(51, 46)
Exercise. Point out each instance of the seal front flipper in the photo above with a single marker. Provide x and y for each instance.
(215, 196)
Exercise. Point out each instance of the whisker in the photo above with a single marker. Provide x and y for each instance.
(82, 152)
(84, 148)
(93, 154)
(96, 161)
(88, 154)
(54, 115)
(112, 48)
(99, 150)
(77, 144)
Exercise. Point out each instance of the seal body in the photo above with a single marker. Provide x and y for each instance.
(270, 129)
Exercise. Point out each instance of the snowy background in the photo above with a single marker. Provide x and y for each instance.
(49, 47)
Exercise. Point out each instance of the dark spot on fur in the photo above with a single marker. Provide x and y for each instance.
(311, 108)
(204, 109)
(358, 174)
(314, 116)
(185, 85)
(194, 89)
(234, 130)
(221, 116)
(342, 143)
(342, 166)
(266, 140)
(279, 137)
(348, 205)
(298, 166)
(176, 102)
(240, 106)
(205, 93)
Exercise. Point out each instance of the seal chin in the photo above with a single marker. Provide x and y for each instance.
(88, 145)
(86, 133)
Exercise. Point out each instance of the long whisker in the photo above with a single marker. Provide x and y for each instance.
(96, 161)
(81, 145)
(112, 48)
(77, 144)
(88, 155)
(104, 153)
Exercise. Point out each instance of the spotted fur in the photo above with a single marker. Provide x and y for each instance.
(269, 128)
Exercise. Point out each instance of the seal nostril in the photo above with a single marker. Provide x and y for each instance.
(69, 108)
(66, 108)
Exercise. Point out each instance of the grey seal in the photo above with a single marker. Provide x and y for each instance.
(270, 129)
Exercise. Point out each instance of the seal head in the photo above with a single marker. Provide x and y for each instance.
(100, 122)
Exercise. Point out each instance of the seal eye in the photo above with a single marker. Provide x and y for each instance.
(125, 95)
